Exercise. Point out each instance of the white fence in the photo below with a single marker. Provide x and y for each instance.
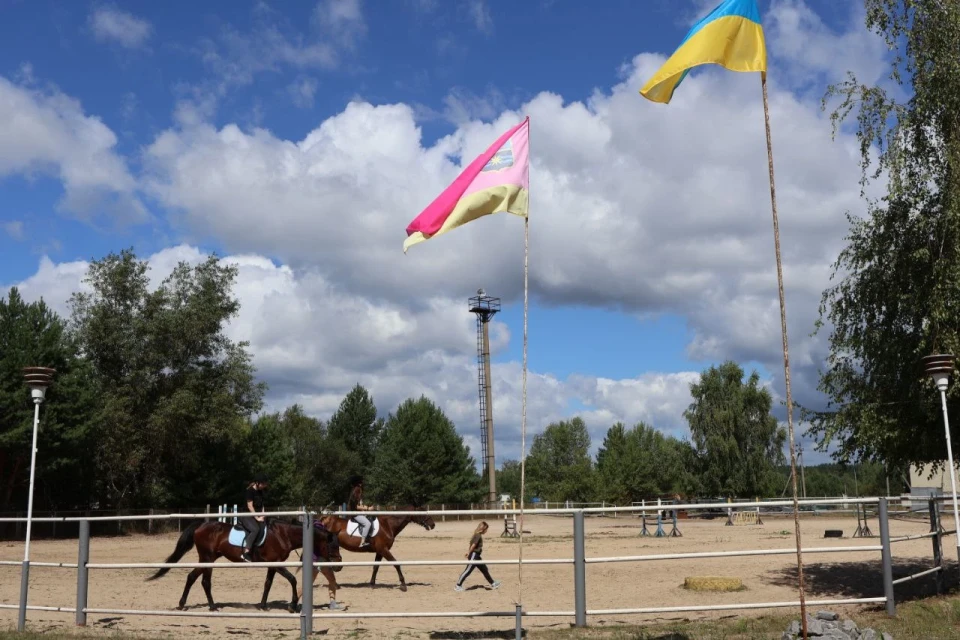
(579, 560)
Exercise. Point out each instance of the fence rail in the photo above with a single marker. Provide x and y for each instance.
(579, 561)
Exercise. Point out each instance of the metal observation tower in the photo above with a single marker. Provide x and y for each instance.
(485, 307)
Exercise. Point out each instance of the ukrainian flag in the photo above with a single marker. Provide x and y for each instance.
(731, 36)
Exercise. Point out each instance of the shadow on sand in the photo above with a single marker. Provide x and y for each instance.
(865, 579)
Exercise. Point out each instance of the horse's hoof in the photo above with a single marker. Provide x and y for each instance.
(335, 606)
(181, 607)
(214, 608)
(403, 587)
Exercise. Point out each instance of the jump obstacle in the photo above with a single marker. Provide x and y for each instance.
(863, 530)
(674, 531)
(223, 511)
(743, 517)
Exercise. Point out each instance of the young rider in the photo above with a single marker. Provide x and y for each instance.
(355, 503)
(253, 525)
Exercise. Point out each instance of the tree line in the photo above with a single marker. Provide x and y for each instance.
(153, 406)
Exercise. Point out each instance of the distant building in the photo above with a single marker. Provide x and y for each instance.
(924, 483)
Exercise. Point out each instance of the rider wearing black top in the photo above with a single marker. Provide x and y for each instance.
(253, 525)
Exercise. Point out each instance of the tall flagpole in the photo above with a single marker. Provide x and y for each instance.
(786, 354)
(523, 406)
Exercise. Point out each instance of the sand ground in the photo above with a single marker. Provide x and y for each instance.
(545, 587)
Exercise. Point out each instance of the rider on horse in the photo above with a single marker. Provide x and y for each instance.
(254, 524)
(355, 503)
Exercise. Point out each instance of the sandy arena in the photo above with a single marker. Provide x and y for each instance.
(545, 587)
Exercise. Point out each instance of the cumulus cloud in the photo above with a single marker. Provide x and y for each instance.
(110, 24)
(47, 132)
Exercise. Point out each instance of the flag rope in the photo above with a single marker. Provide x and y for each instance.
(786, 355)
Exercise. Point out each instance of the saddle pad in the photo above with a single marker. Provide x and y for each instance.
(237, 534)
(353, 528)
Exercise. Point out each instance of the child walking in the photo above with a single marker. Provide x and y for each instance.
(473, 553)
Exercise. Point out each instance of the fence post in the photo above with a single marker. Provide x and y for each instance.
(579, 571)
(83, 556)
(306, 607)
(519, 623)
(883, 516)
(150, 523)
(937, 540)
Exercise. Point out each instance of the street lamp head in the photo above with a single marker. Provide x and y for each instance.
(38, 379)
(939, 366)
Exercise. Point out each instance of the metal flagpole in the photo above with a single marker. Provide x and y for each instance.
(786, 354)
(523, 406)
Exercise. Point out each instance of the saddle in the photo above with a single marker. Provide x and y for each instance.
(353, 528)
(238, 533)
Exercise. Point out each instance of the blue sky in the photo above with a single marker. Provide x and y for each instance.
(177, 84)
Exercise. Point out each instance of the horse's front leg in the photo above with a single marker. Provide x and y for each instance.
(294, 598)
(266, 587)
(389, 557)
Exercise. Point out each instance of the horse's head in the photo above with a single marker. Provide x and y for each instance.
(424, 520)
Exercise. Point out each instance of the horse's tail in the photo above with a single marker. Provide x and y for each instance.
(184, 544)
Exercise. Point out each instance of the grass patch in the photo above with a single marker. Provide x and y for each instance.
(930, 619)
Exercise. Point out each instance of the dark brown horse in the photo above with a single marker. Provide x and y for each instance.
(211, 540)
(380, 544)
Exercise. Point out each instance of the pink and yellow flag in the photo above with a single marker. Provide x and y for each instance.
(497, 180)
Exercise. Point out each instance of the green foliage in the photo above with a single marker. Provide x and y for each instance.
(559, 465)
(421, 459)
(33, 335)
(737, 442)
(305, 464)
(641, 463)
(508, 478)
(174, 388)
(867, 479)
(898, 294)
(356, 425)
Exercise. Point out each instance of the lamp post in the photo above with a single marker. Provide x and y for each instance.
(38, 379)
(939, 367)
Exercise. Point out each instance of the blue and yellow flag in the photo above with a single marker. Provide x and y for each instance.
(731, 36)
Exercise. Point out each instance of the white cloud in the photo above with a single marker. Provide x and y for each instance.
(341, 20)
(110, 24)
(480, 15)
(302, 92)
(14, 229)
(47, 132)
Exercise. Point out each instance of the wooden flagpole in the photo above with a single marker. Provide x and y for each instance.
(786, 355)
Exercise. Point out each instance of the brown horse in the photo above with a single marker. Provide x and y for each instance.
(380, 544)
(211, 540)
